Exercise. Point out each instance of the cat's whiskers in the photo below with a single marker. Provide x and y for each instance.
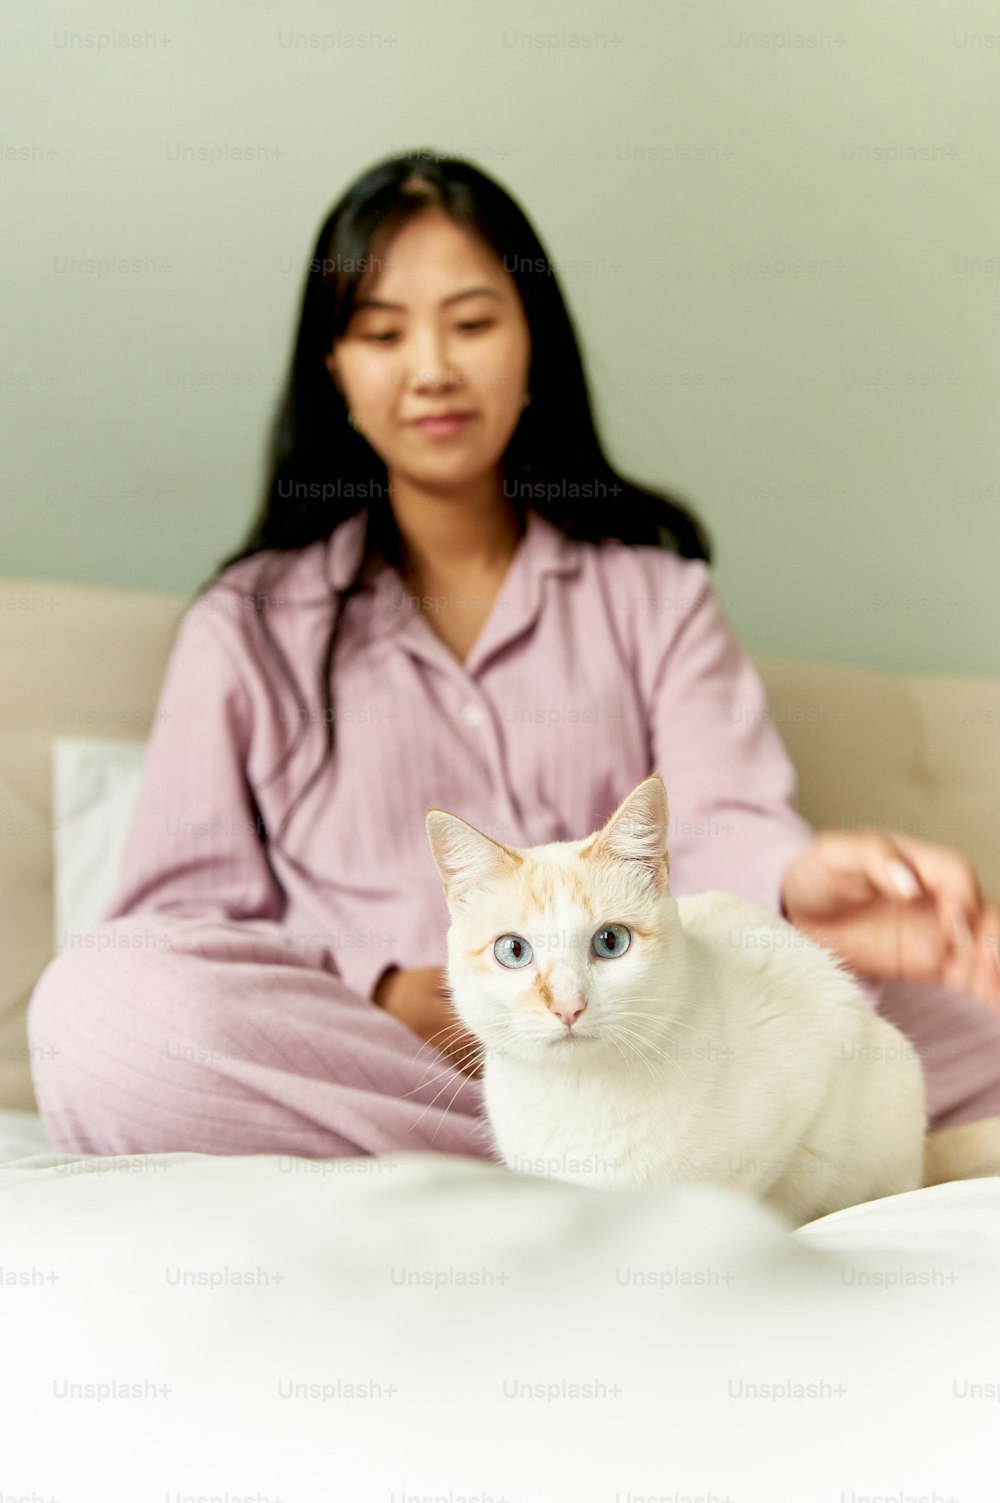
(443, 1074)
(479, 1047)
(667, 1052)
(664, 1027)
(633, 1052)
(659, 1018)
(444, 1038)
(656, 1038)
(614, 1044)
(649, 1048)
(448, 1080)
(446, 1109)
(452, 1031)
(475, 1047)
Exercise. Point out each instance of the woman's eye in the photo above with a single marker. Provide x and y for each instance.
(387, 335)
(512, 951)
(611, 941)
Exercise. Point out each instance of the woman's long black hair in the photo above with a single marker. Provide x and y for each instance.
(319, 470)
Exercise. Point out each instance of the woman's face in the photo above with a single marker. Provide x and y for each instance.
(438, 328)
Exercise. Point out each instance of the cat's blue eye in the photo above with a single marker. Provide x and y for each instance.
(611, 941)
(512, 951)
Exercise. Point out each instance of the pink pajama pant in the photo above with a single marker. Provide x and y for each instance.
(169, 1034)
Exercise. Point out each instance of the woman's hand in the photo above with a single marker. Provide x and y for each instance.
(894, 907)
(419, 998)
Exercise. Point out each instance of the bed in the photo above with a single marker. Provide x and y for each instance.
(427, 1326)
(185, 1326)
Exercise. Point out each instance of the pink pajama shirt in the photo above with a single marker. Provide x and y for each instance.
(228, 1008)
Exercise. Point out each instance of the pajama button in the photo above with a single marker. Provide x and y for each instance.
(473, 714)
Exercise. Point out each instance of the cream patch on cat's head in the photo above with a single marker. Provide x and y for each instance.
(581, 926)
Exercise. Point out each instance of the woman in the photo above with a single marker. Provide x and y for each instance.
(449, 598)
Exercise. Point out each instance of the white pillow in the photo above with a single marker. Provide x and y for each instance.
(95, 784)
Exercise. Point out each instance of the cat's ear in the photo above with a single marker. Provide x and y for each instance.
(464, 856)
(637, 831)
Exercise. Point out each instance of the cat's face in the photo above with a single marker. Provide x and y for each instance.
(553, 950)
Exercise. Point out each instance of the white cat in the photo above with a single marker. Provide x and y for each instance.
(632, 1038)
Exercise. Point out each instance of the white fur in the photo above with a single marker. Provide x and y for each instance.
(751, 1057)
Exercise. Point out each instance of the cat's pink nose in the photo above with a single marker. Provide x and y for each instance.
(568, 1012)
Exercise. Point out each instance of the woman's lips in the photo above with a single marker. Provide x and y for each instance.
(443, 427)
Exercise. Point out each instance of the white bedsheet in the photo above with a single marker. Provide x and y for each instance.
(447, 1285)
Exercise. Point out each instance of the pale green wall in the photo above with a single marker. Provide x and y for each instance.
(883, 549)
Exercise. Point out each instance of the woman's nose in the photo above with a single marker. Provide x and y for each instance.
(430, 367)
